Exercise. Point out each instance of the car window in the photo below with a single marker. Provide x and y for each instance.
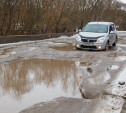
(96, 28)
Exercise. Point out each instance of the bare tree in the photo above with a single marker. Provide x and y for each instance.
(57, 15)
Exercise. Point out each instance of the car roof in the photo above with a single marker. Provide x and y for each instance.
(106, 23)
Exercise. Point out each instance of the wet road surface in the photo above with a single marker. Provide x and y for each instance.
(106, 104)
(26, 82)
(38, 71)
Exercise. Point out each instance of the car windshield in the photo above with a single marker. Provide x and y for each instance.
(96, 28)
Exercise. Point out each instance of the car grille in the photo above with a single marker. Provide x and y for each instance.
(88, 40)
(88, 47)
(84, 40)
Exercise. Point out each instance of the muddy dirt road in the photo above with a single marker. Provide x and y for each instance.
(39, 71)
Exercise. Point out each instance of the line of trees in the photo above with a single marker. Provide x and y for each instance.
(51, 16)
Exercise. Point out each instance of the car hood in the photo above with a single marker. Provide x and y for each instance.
(91, 35)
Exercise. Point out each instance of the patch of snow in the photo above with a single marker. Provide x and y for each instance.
(100, 79)
(121, 58)
(17, 43)
(41, 105)
(60, 44)
(49, 43)
(121, 31)
(97, 63)
(28, 42)
(83, 90)
(109, 104)
(63, 36)
(13, 53)
(118, 86)
(122, 45)
(32, 48)
(119, 49)
(114, 67)
(77, 63)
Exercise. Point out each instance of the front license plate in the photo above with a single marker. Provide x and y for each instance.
(88, 44)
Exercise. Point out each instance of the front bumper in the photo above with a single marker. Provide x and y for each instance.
(88, 45)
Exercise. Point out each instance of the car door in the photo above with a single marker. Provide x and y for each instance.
(111, 34)
(115, 34)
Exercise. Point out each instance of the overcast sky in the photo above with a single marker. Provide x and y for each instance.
(124, 1)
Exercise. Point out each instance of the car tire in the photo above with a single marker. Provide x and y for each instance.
(77, 48)
(107, 46)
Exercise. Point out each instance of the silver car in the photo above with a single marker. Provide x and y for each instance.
(97, 36)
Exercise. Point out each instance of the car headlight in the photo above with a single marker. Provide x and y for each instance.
(101, 39)
(78, 38)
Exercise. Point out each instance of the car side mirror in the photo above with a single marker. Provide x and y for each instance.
(111, 32)
(116, 27)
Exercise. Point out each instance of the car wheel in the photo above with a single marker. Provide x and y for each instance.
(107, 46)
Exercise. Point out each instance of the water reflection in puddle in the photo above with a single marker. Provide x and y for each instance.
(27, 82)
(68, 47)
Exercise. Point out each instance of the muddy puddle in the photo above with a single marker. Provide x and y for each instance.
(68, 47)
(27, 82)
